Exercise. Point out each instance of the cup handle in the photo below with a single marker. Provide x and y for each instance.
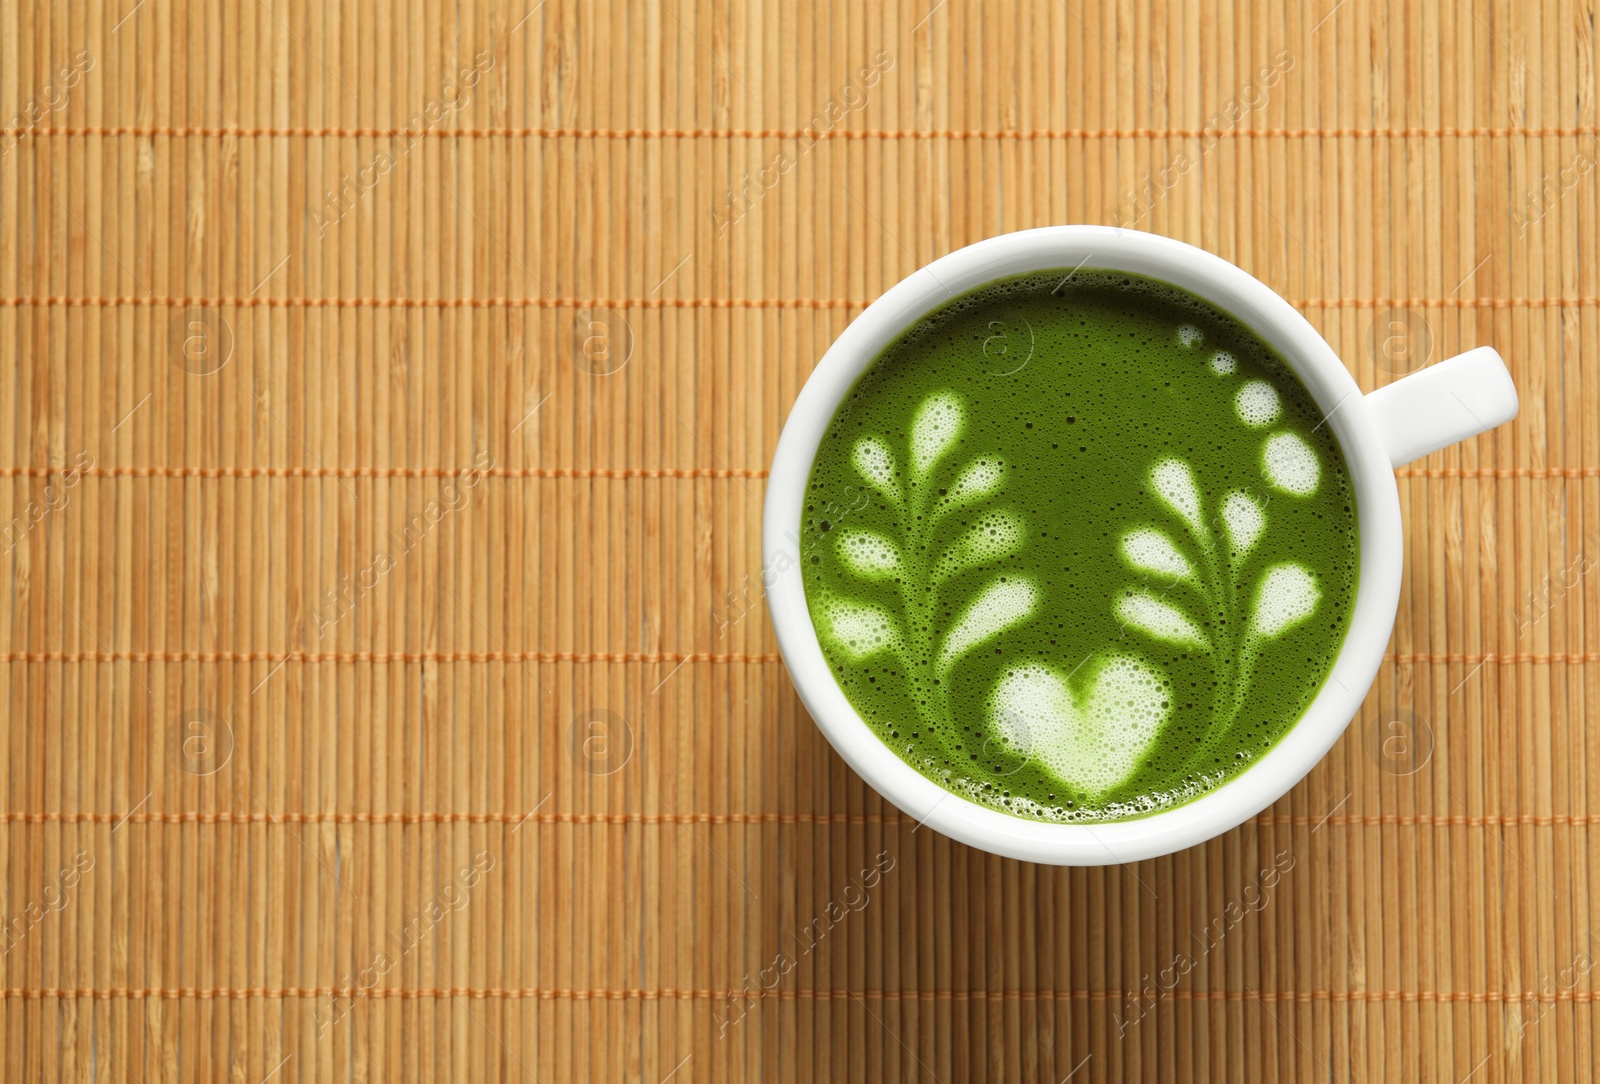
(1458, 398)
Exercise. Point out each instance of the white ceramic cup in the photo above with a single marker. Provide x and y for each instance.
(1396, 424)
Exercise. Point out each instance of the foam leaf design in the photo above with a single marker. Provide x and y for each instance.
(1160, 620)
(1289, 464)
(869, 554)
(1173, 482)
(982, 478)
(875, 463)
(935, 428)
(999, 606)
(1257, 403)
(1244, 520)
(860, 629)
(916, 559)
(1092, 742)
(1093, 735)
(993, 536)
(1288, 594)
(1149, 550)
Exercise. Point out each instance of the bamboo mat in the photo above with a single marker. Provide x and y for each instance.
(388, 391)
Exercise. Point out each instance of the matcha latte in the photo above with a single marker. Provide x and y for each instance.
(1109, 555)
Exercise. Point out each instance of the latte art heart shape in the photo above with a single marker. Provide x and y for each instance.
(1092, 740)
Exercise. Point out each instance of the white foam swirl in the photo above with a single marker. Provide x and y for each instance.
(1173, 482)
(875, 463)
(981, 478)
(934, 429)
(1093, 743)
(869, 554)
(1290, 464)
(1148, 550)
(859, 629)
(1244, 521)
(1287, 596)
(1257, 404)
(1153, 617)
(1000, 605)
(994, 535)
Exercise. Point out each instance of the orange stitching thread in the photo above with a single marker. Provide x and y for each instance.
(671, 993)
(1570, 657)
(1498, 472)
(617, 473)
(704, 302)
(627, 473)
(389, 656)
(1024, 135)
(1446, 302)
(1575, 658)
(438, 302)
(1429, 820)
(893, 820)
(228, 817)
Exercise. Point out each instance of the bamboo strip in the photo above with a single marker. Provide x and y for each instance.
(1418, 167)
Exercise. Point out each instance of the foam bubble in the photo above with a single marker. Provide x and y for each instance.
(1188, 336)
(1244, 520)
(1159, 619)
(1257, 404)
(869, 554)
(875, 462)
(1290, 464)
(858, 629)
(936, 426)
(1002, 604)
(1223, 363)
(992, 536)
(1093, 744)
(1287, 596)
(1173, 482)
(1148, 550)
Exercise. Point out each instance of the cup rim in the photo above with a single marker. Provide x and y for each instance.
(1336, 394)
